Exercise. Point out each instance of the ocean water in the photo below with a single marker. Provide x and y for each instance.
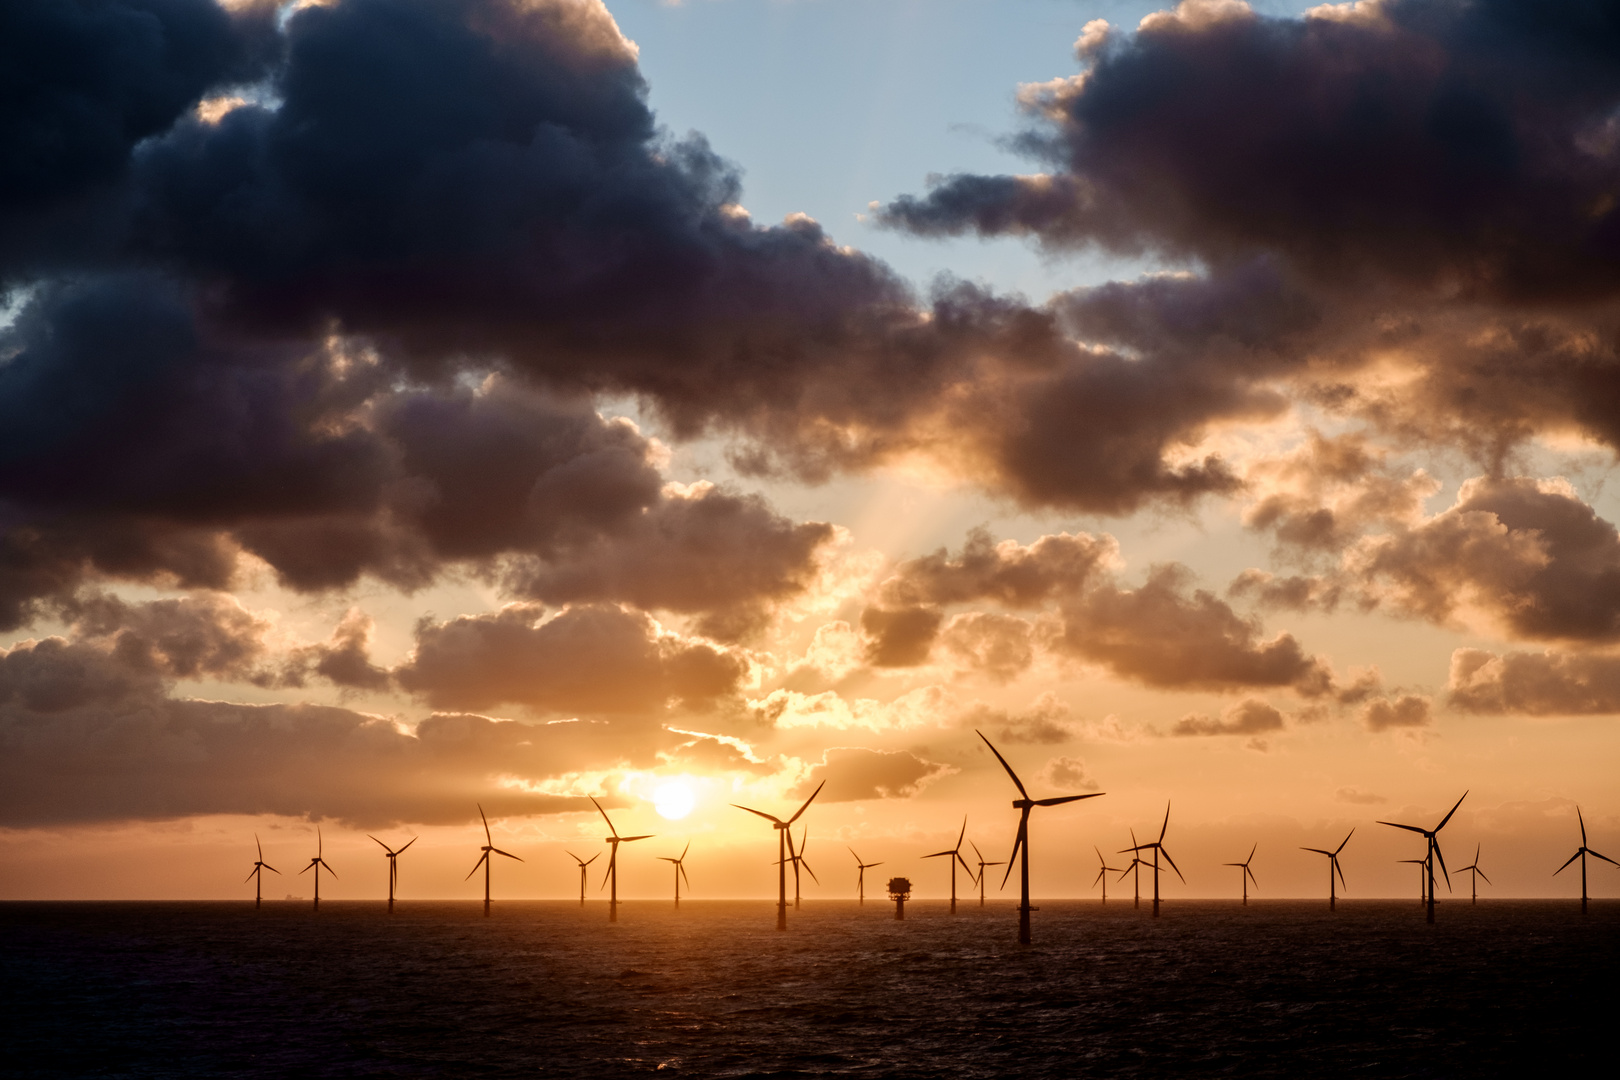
(1276, 989)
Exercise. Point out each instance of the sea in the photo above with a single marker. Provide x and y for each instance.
(553, 989)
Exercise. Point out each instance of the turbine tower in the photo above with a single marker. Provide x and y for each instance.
(1423, 869)
(781, 828)
(1157, 847)
(1581, 853)
(797, 859)
(316, 864)
(1247, 875)
(1473, 869)
(680, 872)
(583, 863)
(1333, 868)
(259, 867)
(1104, 871)
(613, 860)
(860, 878)
(1434, 849)
(979, 856)
(1135, 870)
(393, 866)
(484, 860)
(1024, 804)
(955, 855)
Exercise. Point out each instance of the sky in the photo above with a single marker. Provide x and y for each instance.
(413, 405)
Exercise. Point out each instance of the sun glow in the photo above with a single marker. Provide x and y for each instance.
(673, 800)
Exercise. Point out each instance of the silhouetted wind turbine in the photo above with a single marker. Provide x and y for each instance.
(860, 878)
(982, 864)
(1247, 875)
(1434, 849)
(393, 867)
(1333, 867)
(1024, 805)
(781, 850)
(1104, 871)
(484, 860)
(798, 860)
(955, 855)
(1581, 853)
(1135, 869)
(259, 867)
(1157, 846)
(1423, 869)
(583, 863)
(680, 870)
(316, 863)
(613, 860)
(1473, 868)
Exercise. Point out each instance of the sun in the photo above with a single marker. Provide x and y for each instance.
(673, 800)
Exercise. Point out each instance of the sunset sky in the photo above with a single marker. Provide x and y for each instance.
(407, 404)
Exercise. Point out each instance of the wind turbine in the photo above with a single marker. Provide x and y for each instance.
(1135, 870)
(393, 867)
(1102, 874)
(1333, 867)
(1247, 875)
(316, 863)
(1434, 849)
(613, 860)
(583, 863)
(860, 879)
(982, 864)
(781, 850)
(797, 859)
(955, 855)
(1581, 853)
(680, 871)
(1024, 805)
(484, 860)
(1423, 869)
(1473, 891)
(259, 868)
(1157, 846)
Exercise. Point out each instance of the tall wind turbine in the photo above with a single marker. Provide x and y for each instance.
(955, 855)
(1581, 853)
(860, 877)
(1024, 804)
(1473, 868)
(484, 860)
(613, 860)
(1135, 870)
(393, 866)
(1157, 847)
(317, 862)
(781, 828)
(1247, 875)
(1104, 871)
(680, 871)
(1434, 849)
(797, 859)
(1333, 868)
(979, 857)
(583, 863)
(259, 867)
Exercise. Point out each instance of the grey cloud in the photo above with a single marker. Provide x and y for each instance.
(1534, 684)
(853, 774)
(1406, 711)
(1249, 717)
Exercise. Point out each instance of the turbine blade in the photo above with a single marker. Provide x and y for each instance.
(1252, 878)
(1094, 880)
(1582, 820)
(1605, 858)
(1252, 850)
(964, 862)
(1019, 784)
(487, 838)
(1100, 860)
(761, 813)
(1481, 873)
(807, 802)
(408, 843)
(305, 870)
(607, 873)
(508, 854)
(605, 818)
(592, 859)
(1172, 863)
(1318, 850)
(809, 871)
(682, 867)
(643, 836)
(1165, 827)
(571, 855)
(685, 849)
(249, 878)
(476, 865)
(259, 846)
(1447, 818)
(328, 867)
(1068, 798)
(857, 857)
(1340, 871)
(1346, 840)
(1572, 858)
(1442, 857)
(937, 854)
(1018, 842)
(1408, 828)
(382, 845)
(961, 834)
(270, 868)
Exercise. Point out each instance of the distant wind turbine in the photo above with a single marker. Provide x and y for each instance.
(1430, 835)
(781, 828)
(1333, 868)
(484, 860)
(316, 864)
(1581, 853)
(955, 856)
(1135, 870)
(1247, 875)
(979, 857)
(1423, 869)
(613, 860)
(1158, 848)
(1024, 804)
(680, 871)
(583, 863)
(1103, 871)
(259, 867)
(860, 877)
(393, 866)
(797, 859)
(1473, 868)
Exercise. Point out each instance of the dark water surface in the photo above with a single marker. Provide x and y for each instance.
(549, 989)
